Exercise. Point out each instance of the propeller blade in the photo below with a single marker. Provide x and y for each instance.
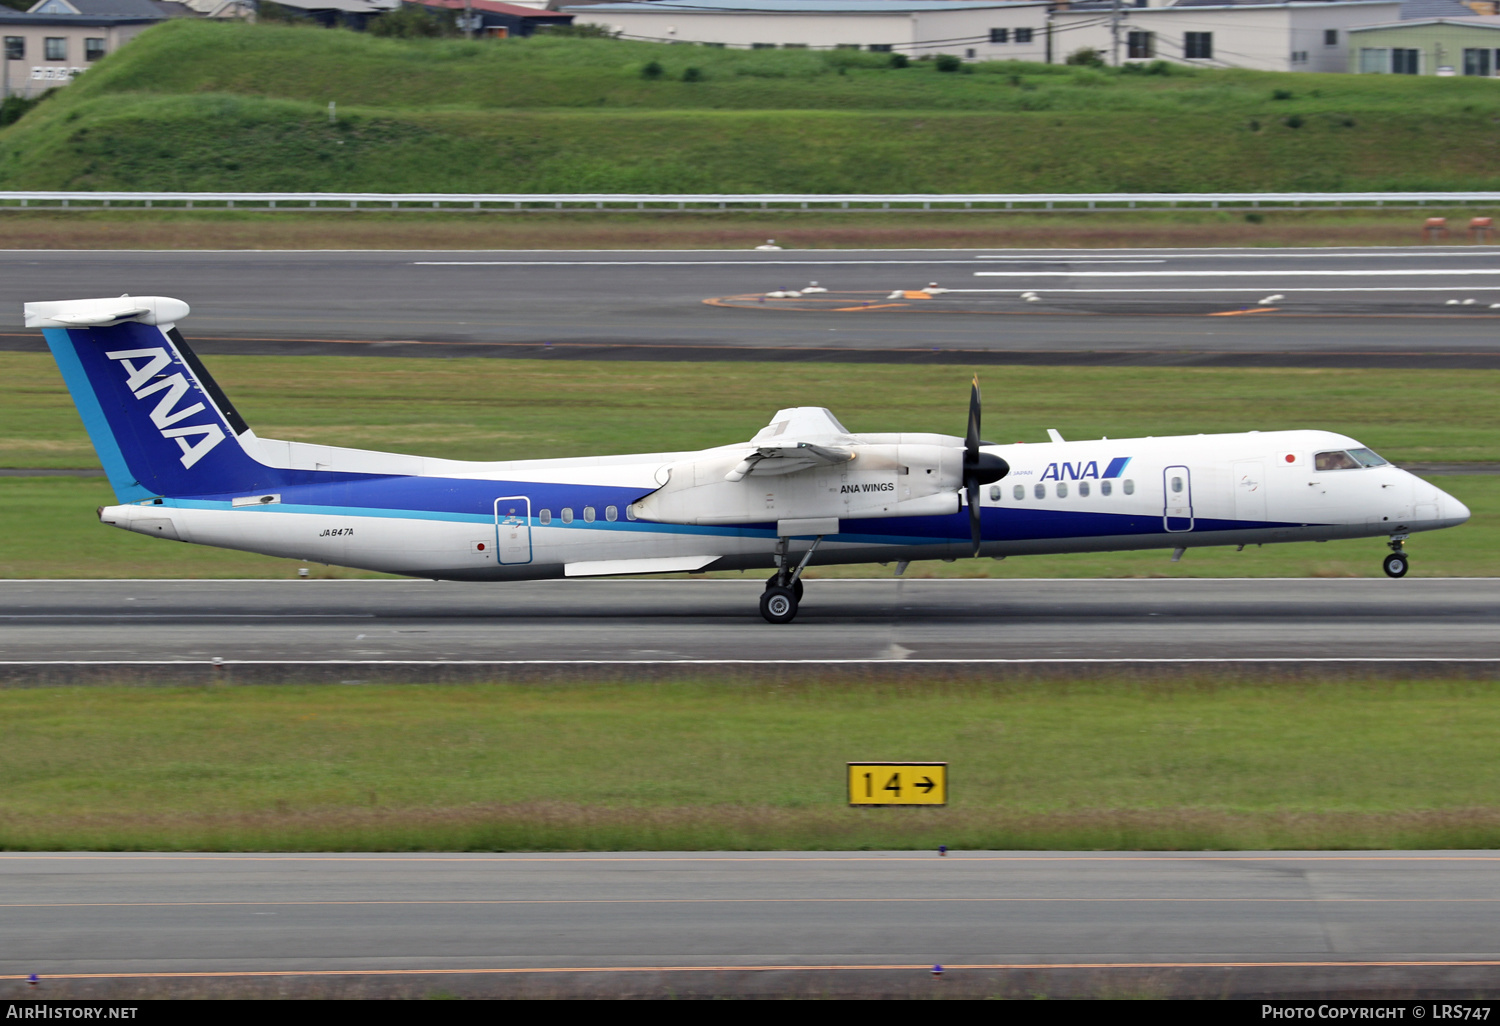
(971, 439)
(975, 530)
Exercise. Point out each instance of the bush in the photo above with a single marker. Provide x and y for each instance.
(652, 71)
(412, 21)
(1085, 57)
(1295, 121)
(1282, 94)
(578, 31)
(899, 60)
(948, 62)
(695, 75)
(13, 107)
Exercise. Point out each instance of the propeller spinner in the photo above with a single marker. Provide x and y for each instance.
(980, 468)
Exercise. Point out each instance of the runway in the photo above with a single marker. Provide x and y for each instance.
(1143, 924)
(413, 627)
(1403, 307)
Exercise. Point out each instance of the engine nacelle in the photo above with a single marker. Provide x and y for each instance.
(881, 481)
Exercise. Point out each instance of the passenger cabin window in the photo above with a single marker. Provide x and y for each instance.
(1337, 460)
(1019, 491)
(629, 512)
(1105, 487)
(1177, 485)
(1083, 489)
(994, 493)
(588, 514)
(544, 517)
(1040, 491)
(1062, 489)
(611, 513)
(1129, 486)
(567, 514)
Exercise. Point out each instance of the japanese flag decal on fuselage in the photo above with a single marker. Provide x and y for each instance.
(144, 367)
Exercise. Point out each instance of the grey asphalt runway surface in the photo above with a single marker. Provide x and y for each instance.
(131, 915)
(1375, 307)
(671, 621)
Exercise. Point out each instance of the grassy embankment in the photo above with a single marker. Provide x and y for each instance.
(196, 106)
(448, 408)
(1101, 764)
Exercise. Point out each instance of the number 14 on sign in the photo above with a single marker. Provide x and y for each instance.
(898, 783)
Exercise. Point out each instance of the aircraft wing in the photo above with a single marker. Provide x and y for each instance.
(788, 459)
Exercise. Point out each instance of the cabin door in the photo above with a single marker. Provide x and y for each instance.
(1177, 505)
(513, 529)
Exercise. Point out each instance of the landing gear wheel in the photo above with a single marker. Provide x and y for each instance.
(778, 605)
(1395, 564)
(796, 588)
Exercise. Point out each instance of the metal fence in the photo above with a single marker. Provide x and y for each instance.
(512, 202)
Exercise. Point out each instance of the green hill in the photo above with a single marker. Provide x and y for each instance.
(203, 106)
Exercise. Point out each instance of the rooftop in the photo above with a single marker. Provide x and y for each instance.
(797, 6)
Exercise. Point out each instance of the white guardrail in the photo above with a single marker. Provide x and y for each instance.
(725, 201)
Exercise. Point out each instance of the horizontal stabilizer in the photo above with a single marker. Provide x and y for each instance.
(102, 313)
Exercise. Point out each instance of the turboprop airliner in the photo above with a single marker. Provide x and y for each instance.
(185, 466)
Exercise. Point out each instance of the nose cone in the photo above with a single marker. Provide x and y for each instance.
(1454, 511)
(1439, 509)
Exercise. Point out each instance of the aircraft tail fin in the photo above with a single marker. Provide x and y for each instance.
(159, 422)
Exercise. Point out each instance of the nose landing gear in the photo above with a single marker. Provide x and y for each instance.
(1395, 564)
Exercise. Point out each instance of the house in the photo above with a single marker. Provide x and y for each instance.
(354, 14)
(1431, 46)
(1262, 36)
(970, 29)
(501, 20)
(57, 39)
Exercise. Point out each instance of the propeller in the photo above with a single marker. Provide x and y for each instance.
(980, 468)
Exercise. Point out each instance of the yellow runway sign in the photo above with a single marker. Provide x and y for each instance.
(898, 783)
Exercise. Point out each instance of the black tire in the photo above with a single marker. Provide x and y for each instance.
(1395, 565)
(796, 588)
(778, 605)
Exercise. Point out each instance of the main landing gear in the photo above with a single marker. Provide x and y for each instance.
(1394, 565)
(778, 603)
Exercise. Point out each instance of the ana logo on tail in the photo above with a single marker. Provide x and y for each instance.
(146, 380)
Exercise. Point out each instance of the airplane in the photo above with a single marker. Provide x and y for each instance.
(185, 466)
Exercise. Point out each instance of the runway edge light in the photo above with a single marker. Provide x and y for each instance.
(897, 783)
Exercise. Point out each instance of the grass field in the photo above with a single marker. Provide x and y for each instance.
(727, 765)
(800, 230)
(198, 106)
(447, 408)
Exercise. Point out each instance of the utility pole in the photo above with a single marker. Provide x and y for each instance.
(1114, 32)
(468, 19)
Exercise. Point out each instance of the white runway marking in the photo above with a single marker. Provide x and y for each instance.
(1399, 273)
(1247, 288)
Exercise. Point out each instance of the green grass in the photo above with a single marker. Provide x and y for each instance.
(197, 106)
(724, 764)
(447, 408)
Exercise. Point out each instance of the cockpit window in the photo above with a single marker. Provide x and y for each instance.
(1368, 458)
(1338, 460)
